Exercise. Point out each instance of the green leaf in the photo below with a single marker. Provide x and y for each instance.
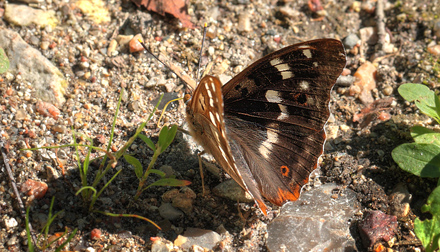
(147, 141)
(169, 182)
(28, 232)
(428, 138)
(433, 203)
(163, 135)
(4, 61)
(419, 159)
(424, 98)
(420, 130)
(166, 138)
(158, 172)
(137, 165)
(428, 231)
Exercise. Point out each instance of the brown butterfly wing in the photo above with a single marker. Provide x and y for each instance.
(275, 112)
(205, 117)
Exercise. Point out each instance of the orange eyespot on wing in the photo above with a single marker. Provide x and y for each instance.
(285, 171)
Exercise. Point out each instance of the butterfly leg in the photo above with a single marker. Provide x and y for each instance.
(201, 171)
(184, 131)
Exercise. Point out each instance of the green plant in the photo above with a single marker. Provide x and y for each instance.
(166, 136)
(90, 193)
(422, 158)
(43, 241)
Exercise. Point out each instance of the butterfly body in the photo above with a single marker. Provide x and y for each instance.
(265, 127)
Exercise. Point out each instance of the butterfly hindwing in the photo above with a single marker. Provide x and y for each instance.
(275, 112)
(206, 123)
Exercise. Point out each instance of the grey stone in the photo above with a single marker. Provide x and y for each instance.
(167, 211)
(317, 221)
(231, 190)
(47, 80)
(23, 15)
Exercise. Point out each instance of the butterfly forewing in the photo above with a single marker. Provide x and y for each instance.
(265, 127)
(275, 111)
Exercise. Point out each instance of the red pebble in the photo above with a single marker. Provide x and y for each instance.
(384, 116)
(32, 134)
(134, 44)
(315, 5)
(95, 234)
(36, 188)
(47, 109)
(52, 45)
(377, 226)
(346, 72)
(154, 239)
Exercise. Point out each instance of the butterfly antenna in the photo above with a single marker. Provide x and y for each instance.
(172, 69)
(201, 50)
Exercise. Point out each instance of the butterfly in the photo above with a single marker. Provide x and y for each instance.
(265, 127)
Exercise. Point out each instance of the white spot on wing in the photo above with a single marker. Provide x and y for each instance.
(283, 68)
(304, 85)
(223, 153)
(275, 61)
(209, 93)
(307, 53)
(286, 75)
(273, 96)
(310, 101)
(212, 118)
(284, 112)
(267, 145)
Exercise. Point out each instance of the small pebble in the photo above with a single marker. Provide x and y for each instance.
(95, 234)
(388, 90)
(231, 190)
(244, 22)
(135, 45)
(377, 226)
(59, 128)
(351, 41)
(112, 47)
(12, 241)
(167, 211)
(169, 171)
(124, 40)
(47, 109)
(211, 50)
(10, 223)
(434, 50)
(36, 188)
(161, 246)
(198, 237)
(20, 115)
(400, 201)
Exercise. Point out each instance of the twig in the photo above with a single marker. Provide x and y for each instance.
(380, 20)
(17, 194)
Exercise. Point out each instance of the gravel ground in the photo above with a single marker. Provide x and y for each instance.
(94, 61)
